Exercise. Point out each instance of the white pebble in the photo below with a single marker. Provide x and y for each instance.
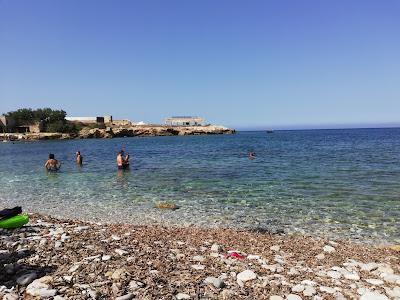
(246, 275)
(329, 249)
(293, 297)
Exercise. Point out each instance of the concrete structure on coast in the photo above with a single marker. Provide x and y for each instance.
(185, 121)
(8, 124)
(102, 122)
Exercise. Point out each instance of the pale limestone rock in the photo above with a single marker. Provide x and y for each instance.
(374, 281)
(352, 276)
(309, 282)
(369, 267)
(216, 282)
(298, 288)
(275, 248)
(334, 274)
(327, 289)
(198, 267)
(198, 258)
(251, 257)
(392, 278)
(246, 275)
(216, 248)
(120, 252)
(309, 291)
(329, 249)
(125, 297)
(293, 297)
(373, 296)
(385, 269)
(275, 297)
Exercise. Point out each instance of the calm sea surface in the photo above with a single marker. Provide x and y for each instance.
(341, 183)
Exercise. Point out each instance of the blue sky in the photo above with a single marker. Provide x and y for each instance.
(246, 64)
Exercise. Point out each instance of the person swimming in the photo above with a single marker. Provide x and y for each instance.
(52, 164)
(122, 162)
(79, 158)
(252, 155)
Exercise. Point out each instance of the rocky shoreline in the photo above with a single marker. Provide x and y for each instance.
(69, 259)
(129, 131)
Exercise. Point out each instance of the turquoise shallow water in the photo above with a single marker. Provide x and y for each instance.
(340, 183)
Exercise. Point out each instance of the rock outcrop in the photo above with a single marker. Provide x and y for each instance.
(140, 130)
(153, 131)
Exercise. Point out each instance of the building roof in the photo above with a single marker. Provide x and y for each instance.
(185, 118)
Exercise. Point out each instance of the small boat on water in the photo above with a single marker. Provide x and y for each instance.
(270, 131)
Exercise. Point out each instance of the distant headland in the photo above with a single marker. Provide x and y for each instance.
(46, 123)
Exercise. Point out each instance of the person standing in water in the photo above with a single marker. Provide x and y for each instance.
(122, 162)
(52, 164)
(79, 158)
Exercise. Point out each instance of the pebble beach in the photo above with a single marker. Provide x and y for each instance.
(59, 259)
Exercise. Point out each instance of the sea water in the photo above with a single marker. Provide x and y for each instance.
(337, 183)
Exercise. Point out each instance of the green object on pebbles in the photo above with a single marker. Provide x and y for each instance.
(14, 222)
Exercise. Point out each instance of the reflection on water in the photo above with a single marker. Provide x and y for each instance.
(335, 182)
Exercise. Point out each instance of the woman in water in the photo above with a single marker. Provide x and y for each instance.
(52, 164)
(79, 158)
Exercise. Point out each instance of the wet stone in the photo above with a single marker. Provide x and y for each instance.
(26, 278)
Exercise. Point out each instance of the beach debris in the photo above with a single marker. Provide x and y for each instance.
(234, 255)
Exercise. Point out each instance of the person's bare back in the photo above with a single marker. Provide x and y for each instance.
(52, 164)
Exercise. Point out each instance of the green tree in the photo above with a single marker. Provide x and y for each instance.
(53, 120)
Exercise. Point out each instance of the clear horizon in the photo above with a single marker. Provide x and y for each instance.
(259, 65)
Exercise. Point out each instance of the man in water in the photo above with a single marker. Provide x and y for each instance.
(79, 158)
(52, 164)
(122, 162)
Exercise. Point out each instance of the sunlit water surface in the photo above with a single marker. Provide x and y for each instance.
(338, 183)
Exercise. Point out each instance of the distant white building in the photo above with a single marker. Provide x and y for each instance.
(86, 120)
(185, 121)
